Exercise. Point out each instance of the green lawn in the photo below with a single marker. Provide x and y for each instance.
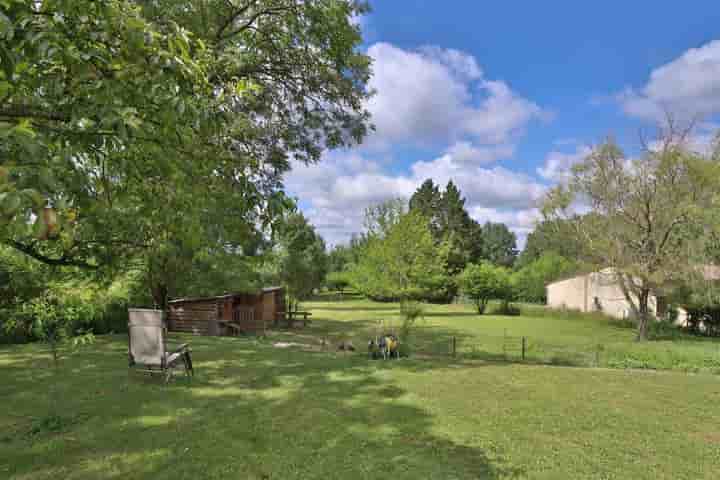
(568, 339)
(255, 411)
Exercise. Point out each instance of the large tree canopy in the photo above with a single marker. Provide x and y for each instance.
(499, 244)
(148, 125)
(403, 263)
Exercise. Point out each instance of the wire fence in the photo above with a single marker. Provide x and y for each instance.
(691, 357)
(509, 348)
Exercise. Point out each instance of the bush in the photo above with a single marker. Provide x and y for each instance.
(507, 309)
(411, 312)
(664, 330)
(484, 282)
(531, 280)
(337, 281)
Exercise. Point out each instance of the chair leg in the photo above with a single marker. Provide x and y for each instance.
(187, 361)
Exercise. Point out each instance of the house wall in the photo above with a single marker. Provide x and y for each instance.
(570, 294)
(597, 291)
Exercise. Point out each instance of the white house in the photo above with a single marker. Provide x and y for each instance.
(593, 292)
(600, 292)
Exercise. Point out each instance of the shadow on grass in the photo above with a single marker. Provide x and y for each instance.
(252, 411)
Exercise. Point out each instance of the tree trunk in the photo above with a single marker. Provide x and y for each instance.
(643, 314)
(481, 303)
(160, 295)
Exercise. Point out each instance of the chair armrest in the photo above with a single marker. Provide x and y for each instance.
(181, 348)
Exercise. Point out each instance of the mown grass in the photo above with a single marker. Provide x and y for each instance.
(256, 411)
(566, 338)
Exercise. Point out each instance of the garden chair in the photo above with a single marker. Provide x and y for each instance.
(147, 346)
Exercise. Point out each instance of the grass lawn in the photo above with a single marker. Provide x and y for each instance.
(565, 339)
(256, 411)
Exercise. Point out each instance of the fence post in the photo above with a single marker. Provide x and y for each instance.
(597, 355)
(523, 348)
(453, 345)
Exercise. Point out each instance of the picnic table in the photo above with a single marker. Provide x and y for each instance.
(234, 328)
(291, 316)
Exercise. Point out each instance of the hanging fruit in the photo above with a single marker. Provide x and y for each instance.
(51, 221)
(46, 224)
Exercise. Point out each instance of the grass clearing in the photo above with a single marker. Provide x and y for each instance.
(565, 338)
(255, 411)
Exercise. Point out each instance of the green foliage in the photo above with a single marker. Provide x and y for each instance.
(550, 236)
(406, 263)
(531, 280)
(449, 223)
(299, 260)
(499, 244)
(484, 282)
(411, 312)
(341, 258)
(56, 322)
(652, 214)
(159, 132)
(338, 281)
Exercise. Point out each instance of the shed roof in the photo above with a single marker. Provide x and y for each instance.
(220, 297)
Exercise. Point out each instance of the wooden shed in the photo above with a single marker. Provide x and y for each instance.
(227, 314)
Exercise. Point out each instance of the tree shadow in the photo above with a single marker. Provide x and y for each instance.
(252, 411)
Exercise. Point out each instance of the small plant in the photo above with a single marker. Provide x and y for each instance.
(54, 324)
(410, 311)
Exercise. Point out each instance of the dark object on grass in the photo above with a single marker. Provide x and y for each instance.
(346, 346)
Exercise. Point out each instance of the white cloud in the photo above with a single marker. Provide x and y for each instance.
(425, 97)
(434, 94)
(687, 86)
(522, 222)
(468, 154)
(558, 164)
(338, 189)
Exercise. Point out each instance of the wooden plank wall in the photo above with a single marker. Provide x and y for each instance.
(192, 317)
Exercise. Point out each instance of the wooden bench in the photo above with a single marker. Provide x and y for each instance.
(290, 317)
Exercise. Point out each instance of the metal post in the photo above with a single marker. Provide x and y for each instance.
(454, 341)
(523, 348)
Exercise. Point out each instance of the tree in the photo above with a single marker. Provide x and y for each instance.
(112, 111)
(463, 233)
(404, 264)
(300, 261)
(340, 258)
(337, 281)
(499, 244)
(426, 200)
(382, 217)
(646, 212)
(484, 282)
(531, 280)
(450, 224)
(549, 237)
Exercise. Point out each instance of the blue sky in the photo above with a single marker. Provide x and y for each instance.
(503, 97)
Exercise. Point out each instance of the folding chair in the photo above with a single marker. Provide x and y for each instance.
(147, 345)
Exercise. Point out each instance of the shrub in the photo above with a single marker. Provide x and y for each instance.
(484, 282)
(55, 322)
(508, 309)
(531, 279)
(337, 281)
(411, 312)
